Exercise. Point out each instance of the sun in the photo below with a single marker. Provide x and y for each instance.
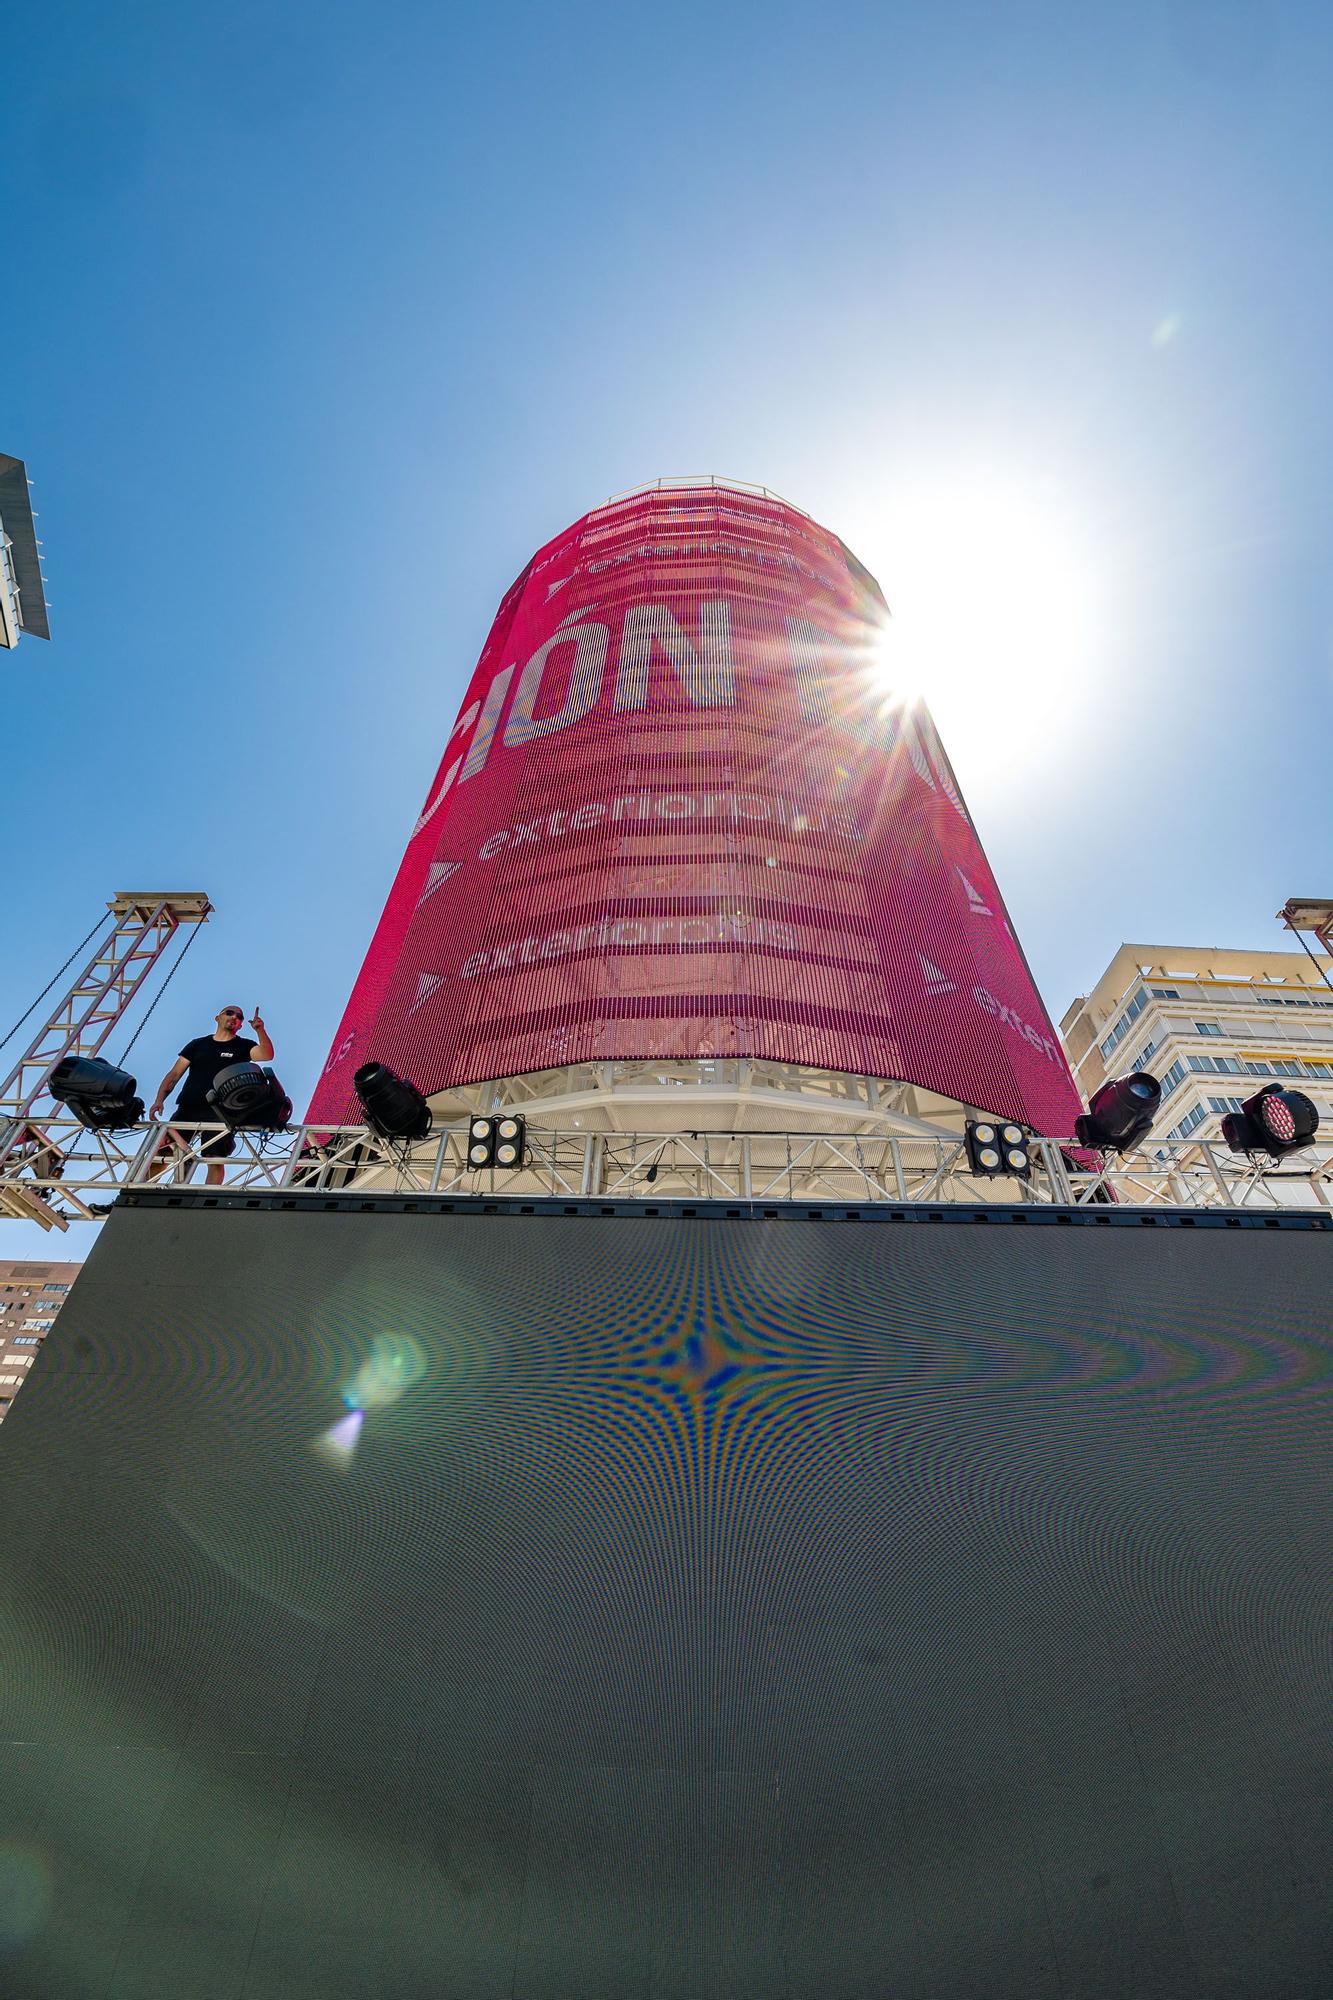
(995, 617)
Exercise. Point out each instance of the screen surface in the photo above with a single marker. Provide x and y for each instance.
(549, 1606)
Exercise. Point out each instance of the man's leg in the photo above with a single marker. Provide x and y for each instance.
(169, 1149)
(215, 1146)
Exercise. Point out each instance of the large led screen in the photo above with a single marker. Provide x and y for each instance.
(557, 1607)
(685, 812)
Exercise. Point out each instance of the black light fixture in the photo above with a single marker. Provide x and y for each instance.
(100, 1096)
(996, 1148)
(1274, 1121)
(249, 1098)
(394, 1109)
(1120, 1113)
(496, 1142)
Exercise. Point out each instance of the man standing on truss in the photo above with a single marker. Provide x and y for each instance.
(200, 1062)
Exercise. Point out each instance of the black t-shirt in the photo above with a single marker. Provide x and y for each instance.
(207, 1058)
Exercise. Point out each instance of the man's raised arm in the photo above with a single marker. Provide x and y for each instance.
(263, 1046)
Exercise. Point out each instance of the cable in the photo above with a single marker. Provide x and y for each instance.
(1313, 958)
(50, 983)
(194, 932)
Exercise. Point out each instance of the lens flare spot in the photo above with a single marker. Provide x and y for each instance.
(338, 1444)
(396, 1363)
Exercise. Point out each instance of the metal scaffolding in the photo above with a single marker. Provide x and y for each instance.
(755, 1171)
(32, 1133)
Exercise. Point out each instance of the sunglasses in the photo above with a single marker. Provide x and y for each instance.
(232, 1014)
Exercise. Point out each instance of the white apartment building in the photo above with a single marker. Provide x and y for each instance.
(31, 1296)
(1212, 1026)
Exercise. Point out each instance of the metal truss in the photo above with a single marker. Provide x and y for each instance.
(83, 1171)
(79, 1024)
(1314, 914)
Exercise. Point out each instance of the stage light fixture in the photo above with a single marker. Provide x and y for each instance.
(100, 1096)
(394, 1109)
(994, 1147)
(1274, 1121)
(1120, 1113)
(249, 1098)
(497, 1142)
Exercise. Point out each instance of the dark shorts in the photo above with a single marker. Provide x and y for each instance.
(212, 1145)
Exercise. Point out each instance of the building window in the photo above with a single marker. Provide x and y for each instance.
(1207, 1028)
(1165, 993)
(1131, 1014)
(25, 1340)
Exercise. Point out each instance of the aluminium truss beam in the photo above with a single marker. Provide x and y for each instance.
(34, 1147)
(310, 1163)
(87, 1012)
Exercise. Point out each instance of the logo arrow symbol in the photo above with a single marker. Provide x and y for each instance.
(980, 907)
(438, 875)
(426, 985)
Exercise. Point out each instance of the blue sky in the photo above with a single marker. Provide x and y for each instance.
(320, 320)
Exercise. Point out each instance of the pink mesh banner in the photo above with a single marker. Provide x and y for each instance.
(681, 815)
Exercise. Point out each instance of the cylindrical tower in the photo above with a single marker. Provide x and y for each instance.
(685, 836)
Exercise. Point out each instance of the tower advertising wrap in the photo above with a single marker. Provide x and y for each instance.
(682, 815)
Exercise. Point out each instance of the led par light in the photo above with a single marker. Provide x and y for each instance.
(1274, 1121)
(394, 1109)
(996, 1148)
(249, 1098)
(1120, 1113)
(100, 1096)
(496, 1142)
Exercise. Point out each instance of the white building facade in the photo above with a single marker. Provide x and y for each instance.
(1212, 1026)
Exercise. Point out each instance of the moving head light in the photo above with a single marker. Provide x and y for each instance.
(394, 1109)
(1274, 1121)
(100, 1096)
(1120, 1113)
(249, 1098)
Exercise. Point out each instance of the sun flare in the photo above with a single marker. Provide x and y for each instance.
(994, 616)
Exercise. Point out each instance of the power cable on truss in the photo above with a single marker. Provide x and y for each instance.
(1313, 958)
(180, 960)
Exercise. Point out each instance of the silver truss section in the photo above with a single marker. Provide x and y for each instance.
(755, 1171)
(85, 1015)
(80, 1021)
